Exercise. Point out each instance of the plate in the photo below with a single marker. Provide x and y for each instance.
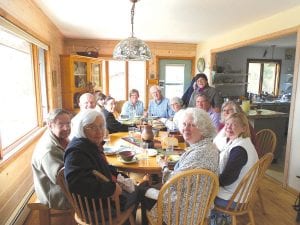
(152, 152)
(134, 160)
(172, 159)
(110, 150)
(123, 119)
(153, 117)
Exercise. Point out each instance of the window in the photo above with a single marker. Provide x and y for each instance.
(129, 75)
(263, 76)
(20, 94)
(174, 80)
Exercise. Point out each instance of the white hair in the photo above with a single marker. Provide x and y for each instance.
(202, 121)
(85, 118)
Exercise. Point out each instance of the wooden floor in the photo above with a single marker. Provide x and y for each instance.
(278, 204)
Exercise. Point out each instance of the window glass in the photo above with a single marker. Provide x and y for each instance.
(263, 76)
(137, 77)
(117, 79)
(253, 78)
(174, 80)
(269, 78)
(18, 114)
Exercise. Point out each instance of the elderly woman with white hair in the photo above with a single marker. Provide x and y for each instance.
(172, 122)
(85, 154)
(198, 131)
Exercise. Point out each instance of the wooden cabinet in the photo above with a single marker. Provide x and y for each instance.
(79, 74)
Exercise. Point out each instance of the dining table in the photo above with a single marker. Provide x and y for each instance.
(149, 165)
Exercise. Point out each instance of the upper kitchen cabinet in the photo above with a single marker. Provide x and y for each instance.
(79, 74)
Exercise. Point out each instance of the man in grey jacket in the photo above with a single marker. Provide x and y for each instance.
(47, 159)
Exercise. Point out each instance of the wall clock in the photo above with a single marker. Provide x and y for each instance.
(201, 65)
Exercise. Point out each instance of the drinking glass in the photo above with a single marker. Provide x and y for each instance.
(144, 154)
(131, 133)
(106, 138)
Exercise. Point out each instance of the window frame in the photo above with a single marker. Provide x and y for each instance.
(28, 136)
(105, 76)
(277, 74)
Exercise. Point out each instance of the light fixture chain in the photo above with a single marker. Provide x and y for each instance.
(132, 18)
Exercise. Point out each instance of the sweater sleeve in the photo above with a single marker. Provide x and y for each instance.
(237, 159)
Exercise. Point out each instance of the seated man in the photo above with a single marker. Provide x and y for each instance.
(159, 106)
(133, 107)
(202, 102)
(47, 159)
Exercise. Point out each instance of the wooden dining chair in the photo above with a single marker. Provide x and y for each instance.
(243, 199)
(95, 211)
(266, 141)
(193, 191)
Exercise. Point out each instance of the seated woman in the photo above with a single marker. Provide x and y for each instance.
(133, 107)
(198, 131)
(227, 109)
(112, 125)
(85, 154)
(100, 99)
(172, 123)
(237, 156)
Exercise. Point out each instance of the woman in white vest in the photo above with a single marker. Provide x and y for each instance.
(237, 156)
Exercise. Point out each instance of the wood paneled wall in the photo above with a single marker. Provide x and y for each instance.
(15, 173)
(158, 50)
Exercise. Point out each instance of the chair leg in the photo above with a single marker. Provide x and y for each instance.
(131, 220)
(44, 216)
(251, 217)
(233, 220)
(261, 201)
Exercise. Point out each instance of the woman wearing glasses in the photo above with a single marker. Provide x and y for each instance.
(85, 154)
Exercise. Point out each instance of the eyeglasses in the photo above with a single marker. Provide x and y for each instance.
(95, 128)
(228, 110)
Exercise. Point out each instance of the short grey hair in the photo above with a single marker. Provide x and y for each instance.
(176, 100)
(52, 116)
(85, 118)
(155, 87)
(236, 108)
(202, 121)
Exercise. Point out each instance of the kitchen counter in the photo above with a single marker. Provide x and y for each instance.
(278, 106)
(265, 113)
(276, 121)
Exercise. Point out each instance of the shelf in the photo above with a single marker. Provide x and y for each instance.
(230, 84)
(231, 74)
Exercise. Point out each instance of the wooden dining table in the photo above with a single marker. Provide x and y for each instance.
(140, 165)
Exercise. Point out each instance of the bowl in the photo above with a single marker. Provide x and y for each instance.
(127, 155)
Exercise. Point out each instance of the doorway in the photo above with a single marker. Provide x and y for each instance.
(174, 76)
(276, 94)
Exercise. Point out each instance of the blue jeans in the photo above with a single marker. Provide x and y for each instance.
(218, 218)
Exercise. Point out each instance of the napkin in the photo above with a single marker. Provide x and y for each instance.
(126, 184)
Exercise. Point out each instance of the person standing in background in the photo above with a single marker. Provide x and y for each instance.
(202, 87)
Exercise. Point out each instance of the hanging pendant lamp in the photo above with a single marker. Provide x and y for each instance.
(132, 48)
